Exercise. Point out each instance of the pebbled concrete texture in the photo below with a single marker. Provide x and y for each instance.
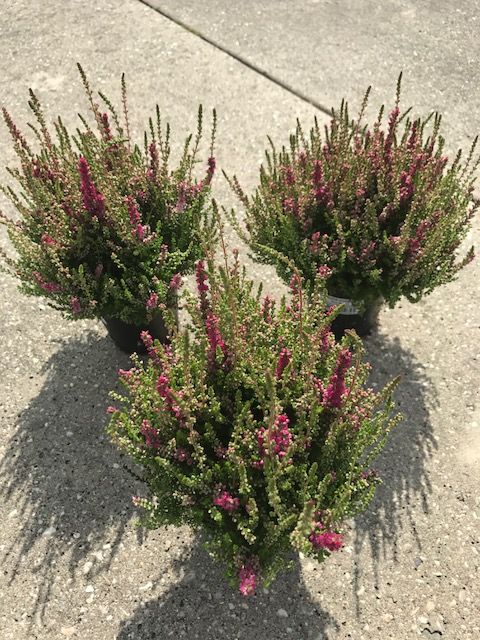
(74, 565)
(332, 50)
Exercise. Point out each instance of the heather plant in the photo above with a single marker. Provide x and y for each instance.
(378, 208)
(254, 425)
(106, 228)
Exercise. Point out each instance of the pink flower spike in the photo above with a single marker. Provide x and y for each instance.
(152, 350)
(167, 393)
(336, 389)
(51, 287)
(106, 126)
(267, 309)
(181, 198)
(226, 501)
(163, 386)
(176, 282)
(141, 231)
(247, 578)
(295, 284)
(93, 200)
(283, 360)
(48, 287)
(150, 434)
(317, 176)
(153, 151)
(280, 437)
(152, 302)
(324, 271)
(328, 540)
(48, 240)
(215, 338)
(146, 339)
(202, 286)
(288, 175)
(211, 169)
(75, 306)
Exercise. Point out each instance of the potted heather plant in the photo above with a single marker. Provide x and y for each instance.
(378, 209)
(106, 228)
(254, 426)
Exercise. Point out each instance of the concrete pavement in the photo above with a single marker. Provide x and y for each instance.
(73, 563)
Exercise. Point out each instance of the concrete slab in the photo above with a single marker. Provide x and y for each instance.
(333, 50)
(73, 563)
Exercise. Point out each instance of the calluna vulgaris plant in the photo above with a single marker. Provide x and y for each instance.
(379, 207)
(254, 425)
(106, 228)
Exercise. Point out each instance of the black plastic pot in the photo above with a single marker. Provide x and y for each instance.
(127, 336)
(350, 318)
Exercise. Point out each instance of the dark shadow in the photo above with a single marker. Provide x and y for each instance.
(69, 485)
(203, 605)
(402, 465)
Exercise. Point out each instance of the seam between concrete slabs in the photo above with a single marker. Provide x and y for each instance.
(239, 58)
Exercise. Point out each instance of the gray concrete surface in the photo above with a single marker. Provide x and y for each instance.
(73, 563)
(330, 50)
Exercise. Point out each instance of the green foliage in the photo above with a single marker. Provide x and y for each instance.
(378, 206)
(254, 426)
(104, 224)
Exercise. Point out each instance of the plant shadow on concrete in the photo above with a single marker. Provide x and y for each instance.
(61, 474)
(203, 605)
(402, 465)
(72, 488)
(196, 609)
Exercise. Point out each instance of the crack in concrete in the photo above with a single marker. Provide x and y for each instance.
(239, 58)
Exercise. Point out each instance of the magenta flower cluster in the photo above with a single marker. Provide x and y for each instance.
(328, 540)
(336, 389)
(247, 577)
(152, 302)
(202, 287)
(167, 393)
(150, 434)
(93, 200)
(138, 229)
(48, 287)
(226, 501)
(215, 339)
(283, 361)
(276, 439)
